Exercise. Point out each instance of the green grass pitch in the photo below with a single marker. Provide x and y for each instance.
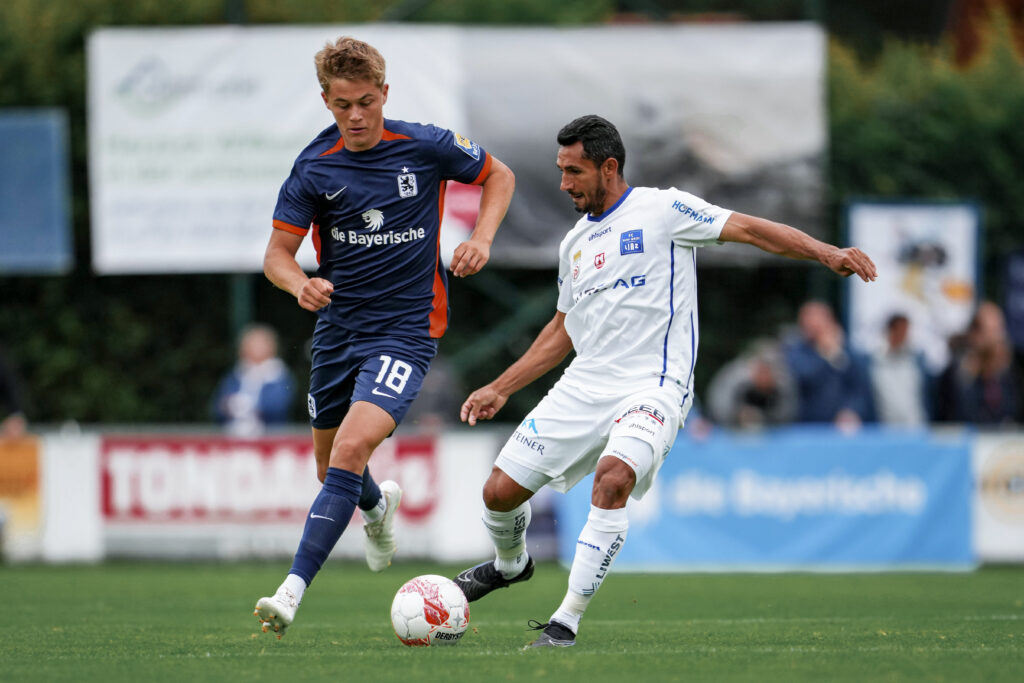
(193, 623)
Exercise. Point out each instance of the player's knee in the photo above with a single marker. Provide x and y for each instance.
(502, 494)
(613, 482)
(350, 453)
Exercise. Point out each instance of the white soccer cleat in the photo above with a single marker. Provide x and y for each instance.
(278, 611)
(380, 535)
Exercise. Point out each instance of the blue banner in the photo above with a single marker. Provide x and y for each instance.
(804, 497)
(35, 209)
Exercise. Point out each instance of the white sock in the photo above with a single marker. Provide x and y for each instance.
(376, 513)
(508, 532)
(599, 542)
(296, 585)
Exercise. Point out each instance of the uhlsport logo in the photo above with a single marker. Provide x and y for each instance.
(374, 220)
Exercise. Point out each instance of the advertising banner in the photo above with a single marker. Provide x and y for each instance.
(998, 463)
(927, 258)
(800, 499)
(193, 130)
(20, 497)
(211, 496)
(35, 195)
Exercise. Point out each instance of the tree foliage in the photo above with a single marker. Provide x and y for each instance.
(912, 125)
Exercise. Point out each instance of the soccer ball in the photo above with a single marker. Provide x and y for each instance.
(429, 610)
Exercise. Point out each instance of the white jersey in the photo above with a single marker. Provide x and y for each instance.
(628, 288)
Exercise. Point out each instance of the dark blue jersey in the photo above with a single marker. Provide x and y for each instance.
(376, 220)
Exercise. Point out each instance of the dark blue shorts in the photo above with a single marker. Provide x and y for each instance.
(385, 371)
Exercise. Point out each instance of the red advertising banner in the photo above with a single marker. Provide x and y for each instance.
(197, 479)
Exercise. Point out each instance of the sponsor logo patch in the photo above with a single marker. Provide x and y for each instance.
(374, 220)
(698, 216)
(599, 260)
(468, 146)
(631, 242)
(641, 409)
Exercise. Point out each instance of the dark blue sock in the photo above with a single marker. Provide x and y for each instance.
(328, 517)
(370, 496)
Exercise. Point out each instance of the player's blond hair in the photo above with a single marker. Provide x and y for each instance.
(350, 59)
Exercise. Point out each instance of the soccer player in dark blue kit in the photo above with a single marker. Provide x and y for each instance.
(371, 190)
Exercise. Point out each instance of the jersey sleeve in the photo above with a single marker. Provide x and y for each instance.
(460, 158)
(296, 204)
(693, 222)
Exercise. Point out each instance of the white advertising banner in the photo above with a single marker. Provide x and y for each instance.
(192, 131)
(927, 256)
(230, 498)
(214, 497)
(998, 463)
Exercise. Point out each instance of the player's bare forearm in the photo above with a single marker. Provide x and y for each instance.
(784, 240)
(473, 254)
(282, 269)
(547, 351)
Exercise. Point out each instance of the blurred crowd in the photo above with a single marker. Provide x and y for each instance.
(813, 374)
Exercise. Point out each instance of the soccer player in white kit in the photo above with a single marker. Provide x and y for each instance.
(627, 305)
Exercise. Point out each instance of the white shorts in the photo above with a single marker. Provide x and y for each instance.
(562, 438)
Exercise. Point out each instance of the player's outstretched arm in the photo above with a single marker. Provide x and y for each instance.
(546, 351)
(281, 268)
(472, 255)
(778, 238)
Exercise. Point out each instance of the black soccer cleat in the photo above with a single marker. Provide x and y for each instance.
(478, 581)
(553, 634)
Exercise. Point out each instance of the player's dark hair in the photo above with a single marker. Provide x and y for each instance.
(600, 139)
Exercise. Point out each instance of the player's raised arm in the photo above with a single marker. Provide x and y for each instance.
(778, 238)
(546, 351)
(472, 255)
(281, 268)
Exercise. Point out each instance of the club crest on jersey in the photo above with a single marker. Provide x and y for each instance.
(407, 184)
(631, 242)
(599, 260)
(374, 220)
(576, 264)
(467, 146)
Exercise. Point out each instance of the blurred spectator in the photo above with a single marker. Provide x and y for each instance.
(259, 390)
(900, 377)
(831, 378)
(12, 411)
(978, 385)
(755, 390)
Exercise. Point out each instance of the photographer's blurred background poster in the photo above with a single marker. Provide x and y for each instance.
(927, 258)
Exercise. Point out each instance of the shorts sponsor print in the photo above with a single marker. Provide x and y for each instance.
(561, 439)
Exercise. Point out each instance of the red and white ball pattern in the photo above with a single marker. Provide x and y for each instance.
(429, 610)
